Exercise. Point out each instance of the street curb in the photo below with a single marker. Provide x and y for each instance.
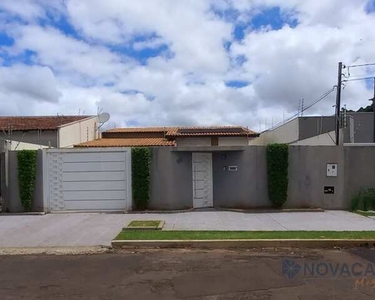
(270, 210)
(41, 213)
(254, 243)
(132, 212)
(55, 250)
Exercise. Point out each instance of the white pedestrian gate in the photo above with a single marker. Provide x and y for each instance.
(87, 179)
(202, 180)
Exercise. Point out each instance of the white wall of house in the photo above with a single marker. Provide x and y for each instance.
(17, 146)
(78, 132)
(287, 133)
(206, 141)
(192, 141)
(325, 139)
(38, 137)
(233, 141)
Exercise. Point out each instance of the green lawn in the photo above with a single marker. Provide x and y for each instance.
(365, 213)
(221, 235)
(154, 223)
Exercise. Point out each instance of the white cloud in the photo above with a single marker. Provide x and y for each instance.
(186, 86)
(31, 9)
(22, 87)
(195, 36)
(68, 55)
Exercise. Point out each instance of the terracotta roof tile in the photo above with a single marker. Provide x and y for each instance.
(140, 129)
(210, 131)
(129, 142)
(37, 123)
(189, 131)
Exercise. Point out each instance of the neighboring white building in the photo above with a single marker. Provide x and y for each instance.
(47, 131)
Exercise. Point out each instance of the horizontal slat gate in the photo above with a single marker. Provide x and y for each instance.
(93, 179)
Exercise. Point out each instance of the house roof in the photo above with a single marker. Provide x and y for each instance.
(189, 131)
(37, 122)
(140, 129)
(210, 131)
(127, 142)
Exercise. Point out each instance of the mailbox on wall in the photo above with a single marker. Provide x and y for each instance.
(331, 170)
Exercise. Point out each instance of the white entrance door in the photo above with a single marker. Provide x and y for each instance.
(202, 180)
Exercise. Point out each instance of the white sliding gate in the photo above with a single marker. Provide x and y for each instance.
(87, 179)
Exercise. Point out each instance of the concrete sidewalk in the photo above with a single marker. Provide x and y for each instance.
(93, 229)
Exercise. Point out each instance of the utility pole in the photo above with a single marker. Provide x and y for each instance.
(373, 109)
(338, 103)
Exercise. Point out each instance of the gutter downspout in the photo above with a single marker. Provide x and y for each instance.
(58, 137)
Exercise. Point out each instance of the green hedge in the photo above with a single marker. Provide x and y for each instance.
(141, 158)
(26, 177)
(364, 200)
(277, 173)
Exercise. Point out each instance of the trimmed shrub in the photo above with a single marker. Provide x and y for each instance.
(26, 177)
(277, 173)
(364, 200)
(141, 158)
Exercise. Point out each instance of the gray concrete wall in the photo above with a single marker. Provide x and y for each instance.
(13, 195)
(313, 126)
(244, 188)
(171, 179)
(359, 169)
(363, 127)
(2, 180)
(308, 176)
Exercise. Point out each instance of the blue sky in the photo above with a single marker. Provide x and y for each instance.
(182, 63)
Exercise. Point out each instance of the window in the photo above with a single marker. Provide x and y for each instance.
(214, 141)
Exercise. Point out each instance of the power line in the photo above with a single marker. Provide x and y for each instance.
(307, 107)
(362, 65)
(356, 79)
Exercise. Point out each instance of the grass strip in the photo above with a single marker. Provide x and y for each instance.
(148, 223)
(369, 213)
(224, 235)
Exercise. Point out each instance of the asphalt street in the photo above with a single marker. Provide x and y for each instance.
(188, 274)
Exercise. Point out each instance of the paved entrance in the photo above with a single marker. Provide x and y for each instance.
(93, 229)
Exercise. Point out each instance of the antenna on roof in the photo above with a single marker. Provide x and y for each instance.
(104, 117)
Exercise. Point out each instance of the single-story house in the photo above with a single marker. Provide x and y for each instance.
(191, 167)
(181, 137)
(38, 132)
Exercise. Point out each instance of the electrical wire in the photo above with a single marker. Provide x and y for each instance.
(357, 66)
(306, 108)
(362, 65)
(356, 79)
